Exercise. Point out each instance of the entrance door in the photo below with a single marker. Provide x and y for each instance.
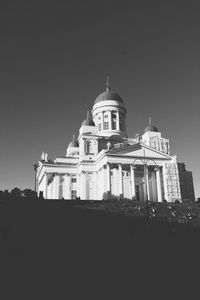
(137, 192)
(139, 189)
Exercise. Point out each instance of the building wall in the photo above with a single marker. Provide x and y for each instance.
(186, 184)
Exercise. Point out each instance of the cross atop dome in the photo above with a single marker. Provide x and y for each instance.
(150, 121)
(108, 84)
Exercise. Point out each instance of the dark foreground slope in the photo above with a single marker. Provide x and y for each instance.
(58, 250)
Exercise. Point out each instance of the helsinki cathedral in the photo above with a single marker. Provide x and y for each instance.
(104, 163)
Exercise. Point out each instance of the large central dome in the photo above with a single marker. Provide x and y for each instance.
(108, 95)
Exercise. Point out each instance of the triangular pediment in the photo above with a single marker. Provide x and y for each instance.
(139, 150)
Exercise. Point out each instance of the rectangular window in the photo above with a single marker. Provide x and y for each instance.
(73, 194)
(106, 116)
(99, 127)
(73, 179)
(105, 125)
(114, 127)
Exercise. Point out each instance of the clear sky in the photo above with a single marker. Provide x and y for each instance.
(54, 59)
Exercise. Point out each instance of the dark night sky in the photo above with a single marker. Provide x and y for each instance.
(55, 57)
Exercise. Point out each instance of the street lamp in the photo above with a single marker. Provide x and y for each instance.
(35, 166)
(146, 176)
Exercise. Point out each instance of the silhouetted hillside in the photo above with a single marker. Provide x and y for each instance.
(65, 249)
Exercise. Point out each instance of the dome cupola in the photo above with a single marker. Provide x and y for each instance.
(109, 113)
(108, 95)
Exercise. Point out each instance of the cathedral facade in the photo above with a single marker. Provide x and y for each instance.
(104, 163)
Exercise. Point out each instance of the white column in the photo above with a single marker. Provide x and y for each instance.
(158, 182)
(133, 195)
(83, 186)
(110, 119)
(120, 181)
(104, 182)
(117, 125)
(45, 195)
(108, 181)
(147, 181)
(56, 186)
(67, 186)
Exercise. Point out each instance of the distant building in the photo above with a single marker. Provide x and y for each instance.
(186, 184)
(103, 162)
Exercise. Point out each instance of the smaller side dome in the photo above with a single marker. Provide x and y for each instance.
(150, 127)
(88, 121)
(73, 143)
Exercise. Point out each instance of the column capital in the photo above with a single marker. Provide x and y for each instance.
(134, 167)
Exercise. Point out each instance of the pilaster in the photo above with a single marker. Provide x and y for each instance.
(83, 186)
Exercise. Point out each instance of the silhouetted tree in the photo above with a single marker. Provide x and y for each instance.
(28, 193)
(16, 192)
(1, 195)
(41, 195)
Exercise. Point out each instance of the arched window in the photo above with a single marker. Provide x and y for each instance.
(105, 122)
(114, 121)
(121, 122)
(89, 147)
